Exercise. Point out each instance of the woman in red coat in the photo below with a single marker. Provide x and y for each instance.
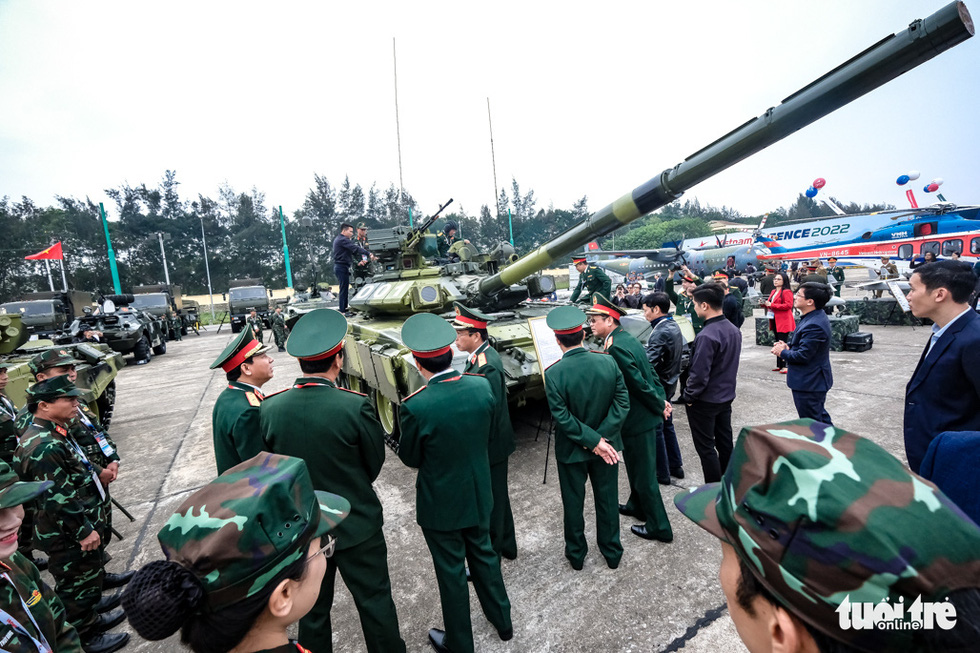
(780, 312)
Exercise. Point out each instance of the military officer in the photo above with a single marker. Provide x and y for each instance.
(362, 268)
(279, 330)
(472, 338)
(837, 273)
(34, 612)
(344, 454)
(591, 279)
(589, 402)
(446, 429)
(647, 411)
(446, 238)
(683, 302)
(767, 283)
(235, 418)
(71, 519)
(254, 324)
(173, 320)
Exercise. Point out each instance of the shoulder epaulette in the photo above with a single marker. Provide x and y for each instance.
(552, 364)
(598, 351)
(414, 393)
(253, 399)
(353, 392)
(481, 360)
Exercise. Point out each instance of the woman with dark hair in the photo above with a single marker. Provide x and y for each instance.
(243, 560)
(928, 257)
(779, 307)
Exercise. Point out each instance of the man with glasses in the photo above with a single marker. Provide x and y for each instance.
(808, 353)
(336, 432)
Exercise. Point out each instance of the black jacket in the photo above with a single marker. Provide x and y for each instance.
(664, 348)
(345, 249)
(714, 363)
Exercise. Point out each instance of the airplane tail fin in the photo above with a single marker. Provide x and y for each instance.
(772, 245)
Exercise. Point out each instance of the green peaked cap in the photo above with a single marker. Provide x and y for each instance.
(318, 334)
(565, 318)
(238, 350)
(246, 526)
(602, 306)
(820, 514)
(470, 318)
(425, 333)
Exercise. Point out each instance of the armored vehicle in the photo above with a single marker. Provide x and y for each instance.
(124, 328)
(161, 300)
(96, 373)
(244, 296)
(47, 314)
(409, 278)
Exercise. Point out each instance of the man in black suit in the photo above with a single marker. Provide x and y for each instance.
(808, 353)
(944, 391)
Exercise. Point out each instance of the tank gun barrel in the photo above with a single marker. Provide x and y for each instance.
(879, 64)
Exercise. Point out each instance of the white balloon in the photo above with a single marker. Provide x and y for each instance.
(938, 181)
(914, 175)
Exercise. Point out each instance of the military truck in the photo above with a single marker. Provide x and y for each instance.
(244, 296)
(160, 298)
(410, 278)
(96, 372)
(124, 328)
(47, 314)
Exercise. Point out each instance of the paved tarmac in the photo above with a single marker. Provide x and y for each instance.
(663, 597)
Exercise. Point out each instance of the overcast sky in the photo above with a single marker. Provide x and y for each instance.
(587, 98)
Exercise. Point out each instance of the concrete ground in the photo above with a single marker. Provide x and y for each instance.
(663, 597)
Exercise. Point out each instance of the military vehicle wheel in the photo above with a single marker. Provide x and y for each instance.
(105, 403)
(387, 415)
(160, 349)
(141, 352)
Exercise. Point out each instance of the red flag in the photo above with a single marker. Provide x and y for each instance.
(53, 252)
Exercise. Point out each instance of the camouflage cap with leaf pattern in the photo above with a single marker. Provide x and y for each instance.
(243, 528)
(819, 514)
(52, 358)
(14, 492)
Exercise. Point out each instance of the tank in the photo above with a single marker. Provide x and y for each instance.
(409, 277)
(96, 373)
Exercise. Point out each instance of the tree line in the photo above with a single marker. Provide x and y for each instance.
(244, 238)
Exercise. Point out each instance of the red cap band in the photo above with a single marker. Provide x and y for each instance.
(562, 332)
(326, 354)
(431, 354)
(470, 322)
(242, 356)
(578, 260)
(599, 308)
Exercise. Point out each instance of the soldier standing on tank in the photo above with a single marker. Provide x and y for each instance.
(71, 521)
(344, 454)
(591, 279)
(345, 252)
(362, 267)
(837, 273)
(647, 411)
(279, 330)
(235, 418)
(472, 338)
(589, 403)
(254, 324)
(446, 428)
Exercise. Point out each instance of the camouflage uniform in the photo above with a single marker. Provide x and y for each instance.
(175, 324)
(444, 242)
(8, 429)
(359, 271)
(254, 325)
(823, 518)
(20, 586)
(593, 280)
(684, 304)
(66, 515)
(279, 329)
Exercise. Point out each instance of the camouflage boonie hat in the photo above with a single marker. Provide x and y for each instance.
(51, 389)
(361, 225)
(52, 358)
(821, 516)
(14, 492)
(246, 526)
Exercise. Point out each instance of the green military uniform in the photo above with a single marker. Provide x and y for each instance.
(235, 417)
(175, 326)
(344, 454)
(359, 271)
(592, 280)
(279, 331)
(589, 402)
(34, 613)
(230, 537)
(8, 429)
(684, 304)
(837, 273)
(254, 326)
(824, 519)
(444, 241)
(639, 431)
(446, 429)
(767, 284)
(70, 512)
(486, 362)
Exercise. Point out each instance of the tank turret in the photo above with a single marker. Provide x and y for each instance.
(410, 277)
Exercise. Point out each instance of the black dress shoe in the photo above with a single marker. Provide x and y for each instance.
(107, 603)
(509, 556)
(105, 643)
(438, 640)
(506, 635)
(107, 621)
(577, 566)
(611, 564)
(677, 472)
(624, 510)
(641, 531)
(112, 581)
(663, 481)
(40, 563)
